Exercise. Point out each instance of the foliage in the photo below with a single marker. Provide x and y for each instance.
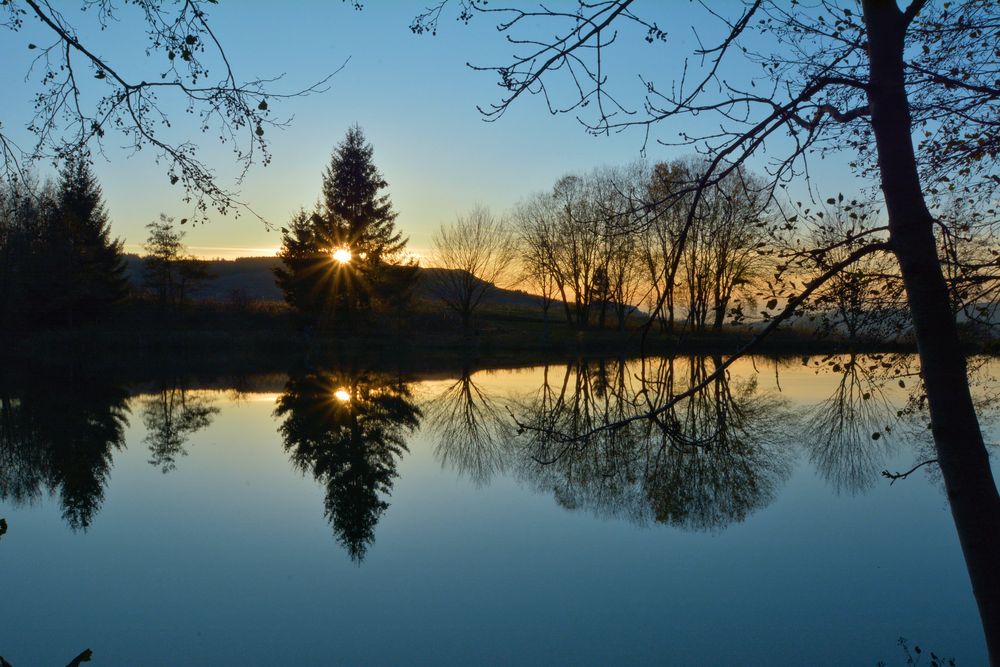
(83, 98)
(58, 261)
(355, 218)
(168, 271)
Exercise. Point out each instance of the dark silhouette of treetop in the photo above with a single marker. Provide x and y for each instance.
(93, 267)
(354, 202)
(345, 254)
(59, 264)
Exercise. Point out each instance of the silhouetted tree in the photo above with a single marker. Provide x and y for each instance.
(168, 271)
(865, 300)
(476, 253)
(348, 431)
(831, 79)
(336, 259)
(84, 259)
(22, 220)
(60, 264)
(533, 225)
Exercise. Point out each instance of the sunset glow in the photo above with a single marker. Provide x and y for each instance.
(342, 255)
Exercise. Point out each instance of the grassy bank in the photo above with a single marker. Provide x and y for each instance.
(263, 336)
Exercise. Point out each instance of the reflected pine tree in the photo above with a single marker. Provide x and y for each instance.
(59, 435)
(171, 416)
(473, 431)
(708, 461)
(348, 430)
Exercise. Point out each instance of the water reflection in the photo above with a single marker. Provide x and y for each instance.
(60, 435)
(704, 463)
(474, 432)
(849, 435)
(349, 431)
(171, 417)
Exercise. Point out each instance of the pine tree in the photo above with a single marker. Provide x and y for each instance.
(362, 218)
(84, 264)
(337, 259)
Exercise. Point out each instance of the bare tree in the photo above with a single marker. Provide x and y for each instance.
(83, 98)
(833, 79)
(473, 256)
(536, 242)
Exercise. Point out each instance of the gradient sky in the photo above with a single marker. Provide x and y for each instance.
(413, 95)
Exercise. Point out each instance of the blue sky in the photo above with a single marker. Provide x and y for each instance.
(413, 95)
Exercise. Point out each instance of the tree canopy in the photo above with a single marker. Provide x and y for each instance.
(59, 264)
(347, 252)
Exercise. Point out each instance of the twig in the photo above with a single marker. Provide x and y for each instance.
(893, 476)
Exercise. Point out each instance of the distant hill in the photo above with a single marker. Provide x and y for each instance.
(253, 278)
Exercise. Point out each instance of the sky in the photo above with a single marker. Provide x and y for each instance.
(414, 97)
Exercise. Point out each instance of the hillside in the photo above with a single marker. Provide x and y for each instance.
(253, 278)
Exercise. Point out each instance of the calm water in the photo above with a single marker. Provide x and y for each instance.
(370, 518)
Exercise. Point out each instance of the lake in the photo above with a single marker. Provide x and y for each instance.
(355, 516)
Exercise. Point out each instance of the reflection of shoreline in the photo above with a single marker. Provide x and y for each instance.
(711, 460)
(472, 430)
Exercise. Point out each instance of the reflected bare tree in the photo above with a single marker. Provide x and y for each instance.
(708, 462)
(171, 416)
(59, 435)
(849, 435)
(473, 430)
(348, 430)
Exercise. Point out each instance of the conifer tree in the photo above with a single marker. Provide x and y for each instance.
(86, 270)
(337, 259)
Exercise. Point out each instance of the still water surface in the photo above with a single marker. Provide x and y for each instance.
(349, 517)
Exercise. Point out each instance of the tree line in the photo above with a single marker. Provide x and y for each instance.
(613, 247)
(61, 266)
(649, 244)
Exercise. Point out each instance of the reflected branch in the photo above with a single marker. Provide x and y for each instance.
(703, 463)
(848, 435)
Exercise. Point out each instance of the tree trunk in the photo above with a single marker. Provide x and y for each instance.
(964, 461)
(721, 306)
(467, 324)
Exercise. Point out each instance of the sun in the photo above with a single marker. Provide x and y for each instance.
(342, 255)
(342, 395)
